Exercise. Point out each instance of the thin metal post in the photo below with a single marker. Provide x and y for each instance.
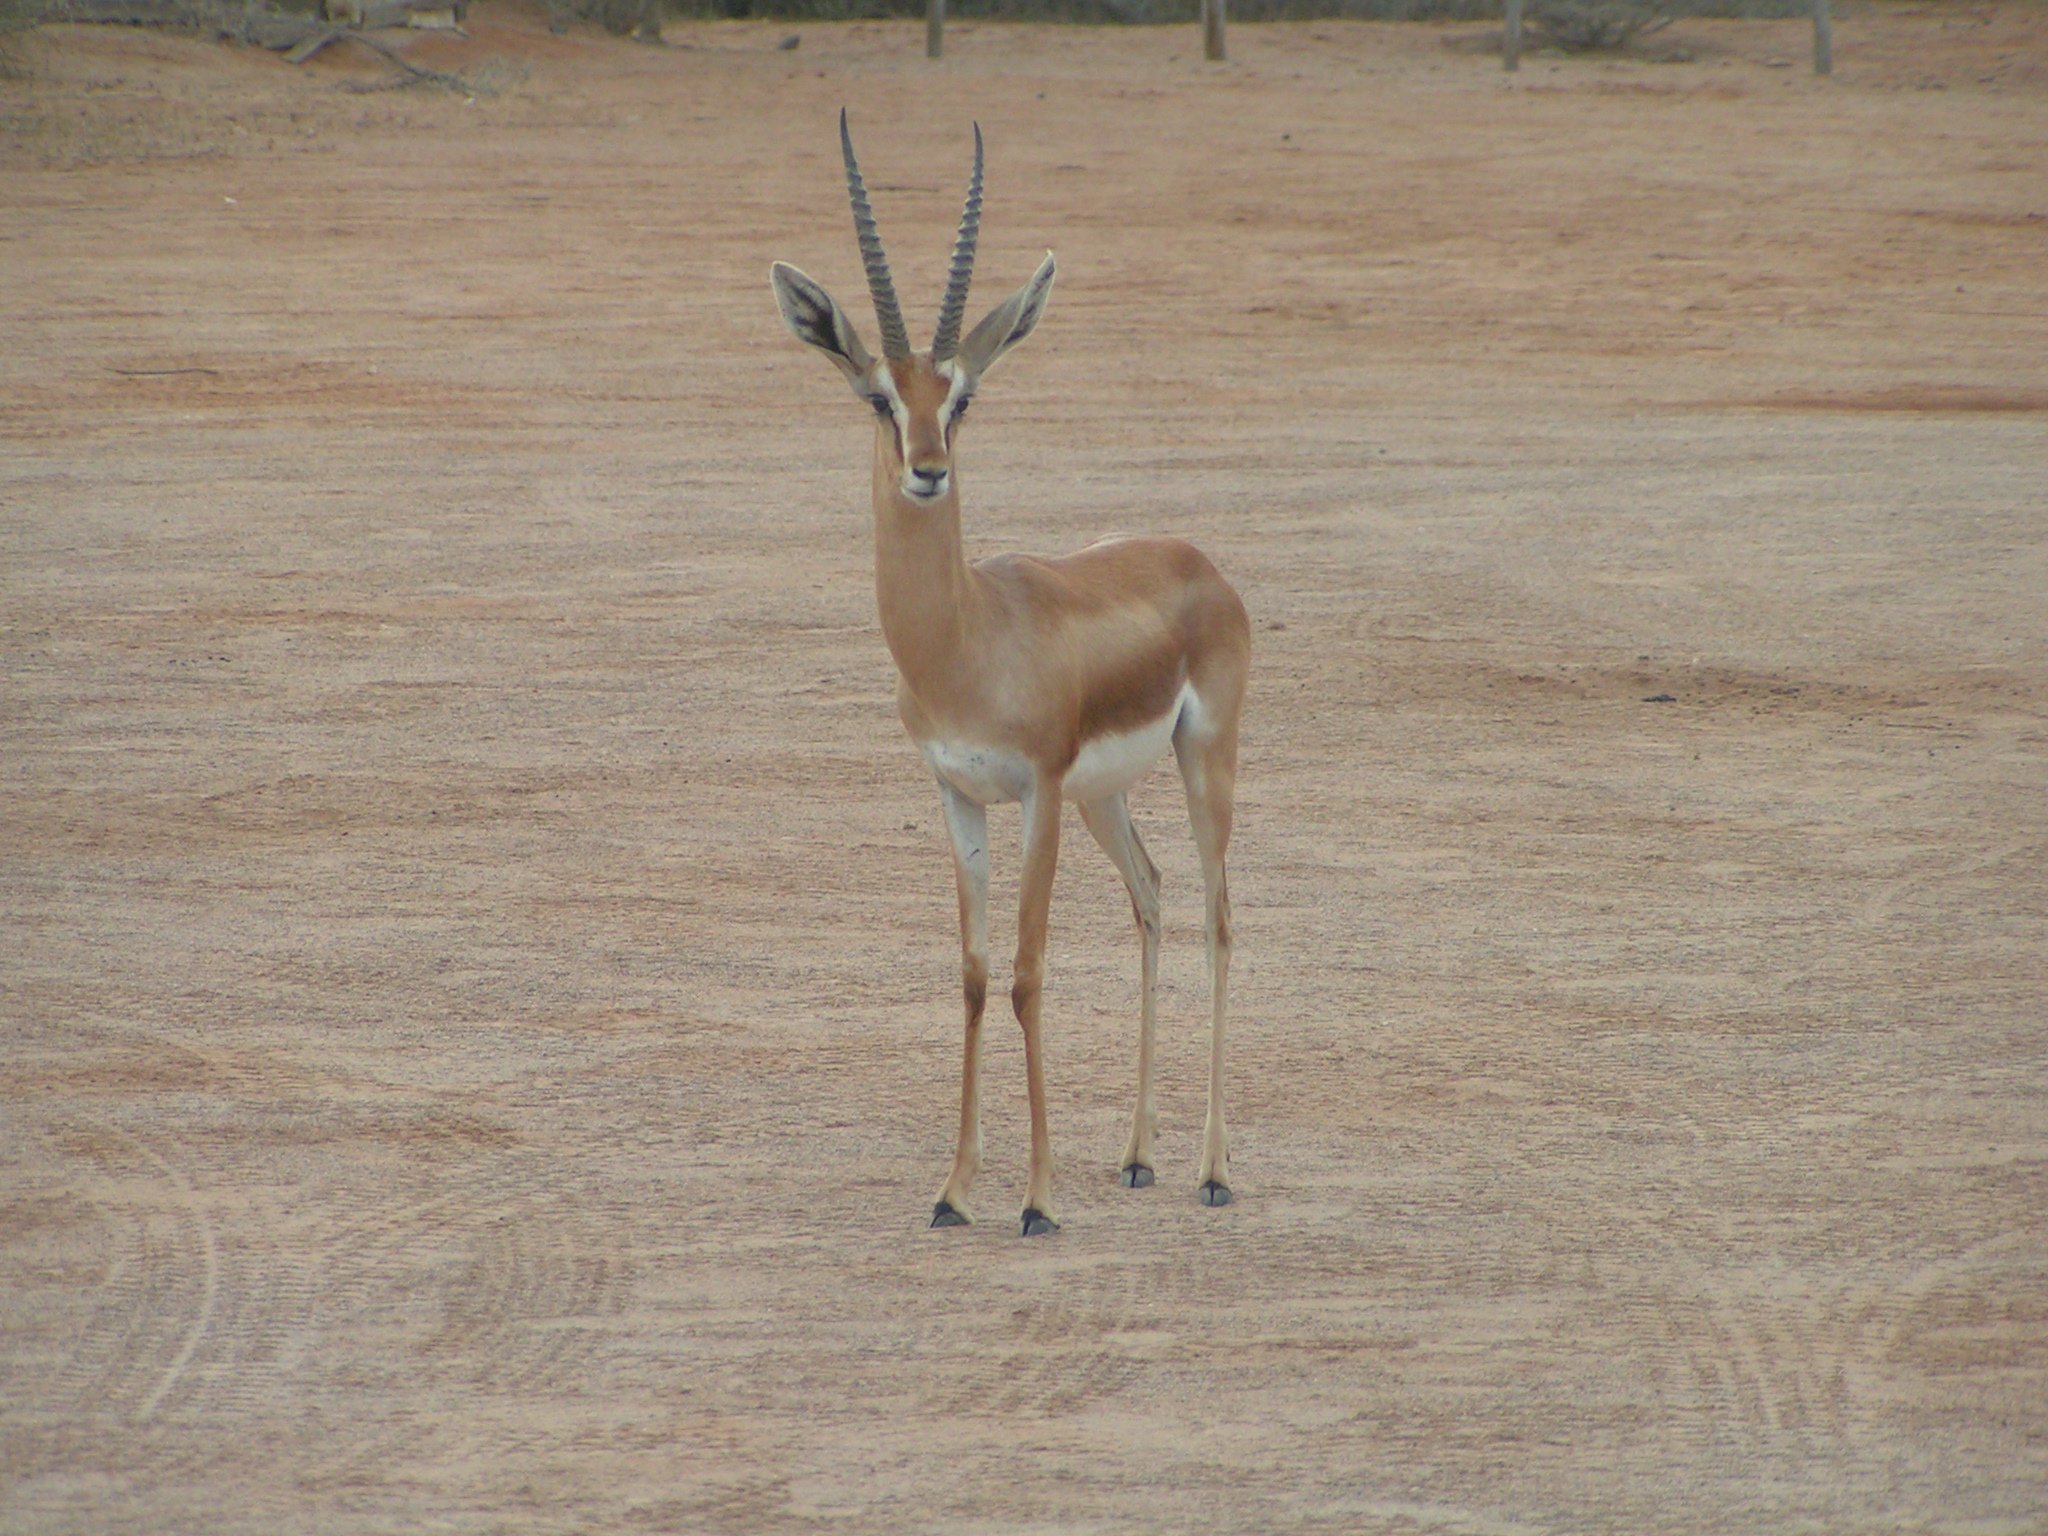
(934, 28)
(1212, 29)
(1511, 37)
(1823, 39)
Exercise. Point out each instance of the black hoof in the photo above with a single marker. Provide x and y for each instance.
(1214, 1193)
(1037, 1223)
(1135, 1176)
(943, 1215)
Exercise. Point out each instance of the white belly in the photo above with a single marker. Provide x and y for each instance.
(1108, 765)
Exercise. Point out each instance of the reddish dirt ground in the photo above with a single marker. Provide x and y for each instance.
(479, 982)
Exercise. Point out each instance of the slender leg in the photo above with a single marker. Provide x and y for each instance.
(968, 825)
(1109, 819)
(1208, 767)
(1041, 857)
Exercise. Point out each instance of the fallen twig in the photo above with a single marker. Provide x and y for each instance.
(305, 48)
(418, 73)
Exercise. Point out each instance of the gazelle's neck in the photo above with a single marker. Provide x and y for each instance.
(923, 589)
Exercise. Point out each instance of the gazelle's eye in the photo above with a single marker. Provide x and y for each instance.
(960, 406)
(881, 405)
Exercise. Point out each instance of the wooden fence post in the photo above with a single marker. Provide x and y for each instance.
(1823, 39)
(1212, 29)
(934, 28)
(1511, 37)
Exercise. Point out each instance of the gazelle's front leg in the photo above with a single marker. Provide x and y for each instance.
(967, 823)
(1110, 820)
(1041, 857)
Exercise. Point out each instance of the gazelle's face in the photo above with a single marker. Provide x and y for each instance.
(918, 404)
(918, 397)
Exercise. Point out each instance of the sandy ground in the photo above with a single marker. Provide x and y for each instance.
(479, 982)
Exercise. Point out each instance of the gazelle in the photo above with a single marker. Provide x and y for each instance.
(1035, 680)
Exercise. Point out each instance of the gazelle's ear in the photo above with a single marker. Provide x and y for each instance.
(1009, 322)
(818, 321)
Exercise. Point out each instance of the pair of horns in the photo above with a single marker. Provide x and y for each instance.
(895, 339)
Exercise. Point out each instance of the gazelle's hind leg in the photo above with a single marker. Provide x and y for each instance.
(1207, 754)
(1109, 819)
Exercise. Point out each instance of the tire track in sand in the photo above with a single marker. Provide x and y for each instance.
(209, 1280)
(1062, 1355)
(155, 1302)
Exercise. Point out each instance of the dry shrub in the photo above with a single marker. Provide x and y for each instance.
(1580, 26)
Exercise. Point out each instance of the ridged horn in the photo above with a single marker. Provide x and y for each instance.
(946, 341)
(895, 339)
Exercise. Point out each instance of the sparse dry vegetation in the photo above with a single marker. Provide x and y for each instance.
(16, 16)
(1620, 20)
(1574, 25)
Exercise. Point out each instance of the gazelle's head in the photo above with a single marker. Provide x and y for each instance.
(918, 396)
